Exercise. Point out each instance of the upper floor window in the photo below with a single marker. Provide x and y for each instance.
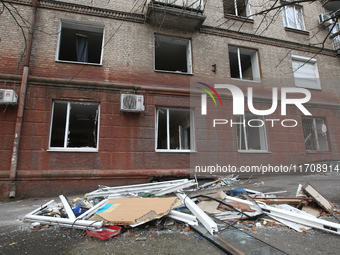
(236, 7)
(315, 134)
(172, 54)
(80, 42)
(293, 17)
(174, 130)
(244, 64)
(306, 73)
(74, 126)
(251, 132)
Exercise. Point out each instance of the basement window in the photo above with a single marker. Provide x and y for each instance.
(172, 54)
(236, 7)
(251, 132)
(80, 43)
(315, 134)
(244, 64)
(174, 130)
(74, 126)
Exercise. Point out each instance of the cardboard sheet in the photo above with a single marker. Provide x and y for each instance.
(133, 210)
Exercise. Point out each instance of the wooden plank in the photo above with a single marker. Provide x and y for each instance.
(284, 200)
(323, 202)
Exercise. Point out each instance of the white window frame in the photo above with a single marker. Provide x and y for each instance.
(72, 149)
(95, 27)
(255, 65)
(248, 11)
(178, 41)
(286, 21)
(298, 64)
(192, 130)
(242, 126)
(316, 134)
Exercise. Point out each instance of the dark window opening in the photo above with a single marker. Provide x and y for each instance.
(243, 64)
(172, 54)
(237, 8)
(79, 43)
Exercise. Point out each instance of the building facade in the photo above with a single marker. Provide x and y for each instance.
(108, 96)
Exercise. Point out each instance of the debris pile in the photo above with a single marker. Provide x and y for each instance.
(211, 209)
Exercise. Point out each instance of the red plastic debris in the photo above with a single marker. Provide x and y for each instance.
(106, 232)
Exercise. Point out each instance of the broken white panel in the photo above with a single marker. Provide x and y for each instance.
(133, 189)
(51, 220)
(41, 222)
(184, 217)
(294, 217)
(67, 208)
(175, 188)
(207, 222)
(91, 211)
(41, 207)
(297, 227)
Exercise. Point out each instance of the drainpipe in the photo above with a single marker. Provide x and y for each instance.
(23, 88)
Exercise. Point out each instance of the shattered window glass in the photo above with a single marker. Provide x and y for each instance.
(74, 125)
(174, 129)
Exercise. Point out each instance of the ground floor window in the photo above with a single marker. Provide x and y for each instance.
(315, 134)
(174, 129)
(251, 132)
(74, 126)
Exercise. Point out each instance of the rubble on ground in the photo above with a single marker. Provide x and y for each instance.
(215, 210)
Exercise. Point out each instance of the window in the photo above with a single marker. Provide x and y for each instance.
(74, 126)
(172, 54)
(236, 7)
(306, 73)
(80, 43)
(251, 133)
(336, 39)
(315, 134)
(293, 17)
(244, 64)
(174, 129)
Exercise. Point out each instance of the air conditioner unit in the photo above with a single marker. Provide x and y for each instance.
(8, 96)
(325, 19)
(131, 103)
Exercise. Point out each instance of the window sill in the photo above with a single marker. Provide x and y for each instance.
(314, 152)
(173, 72)
(254, 151)
(73, 150)
(255, 81)
(175, 151)
(80, 63)
(317, 89)
(239, 18)
(298, 31)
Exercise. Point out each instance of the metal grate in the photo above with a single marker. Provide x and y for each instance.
(315, 136)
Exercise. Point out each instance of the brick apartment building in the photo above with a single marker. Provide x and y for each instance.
(90, 63)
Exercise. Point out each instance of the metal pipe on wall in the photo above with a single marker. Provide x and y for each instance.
(22, 97)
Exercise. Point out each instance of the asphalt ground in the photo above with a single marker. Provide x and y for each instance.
(17, 237)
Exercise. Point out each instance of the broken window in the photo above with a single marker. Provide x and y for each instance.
(306, 73)
(74, 125)
(172, 54)
(236, 7)
(174, 129)
(315, 134)
(244, 64)
(293, 17)
(80, 43)
(251, 132)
